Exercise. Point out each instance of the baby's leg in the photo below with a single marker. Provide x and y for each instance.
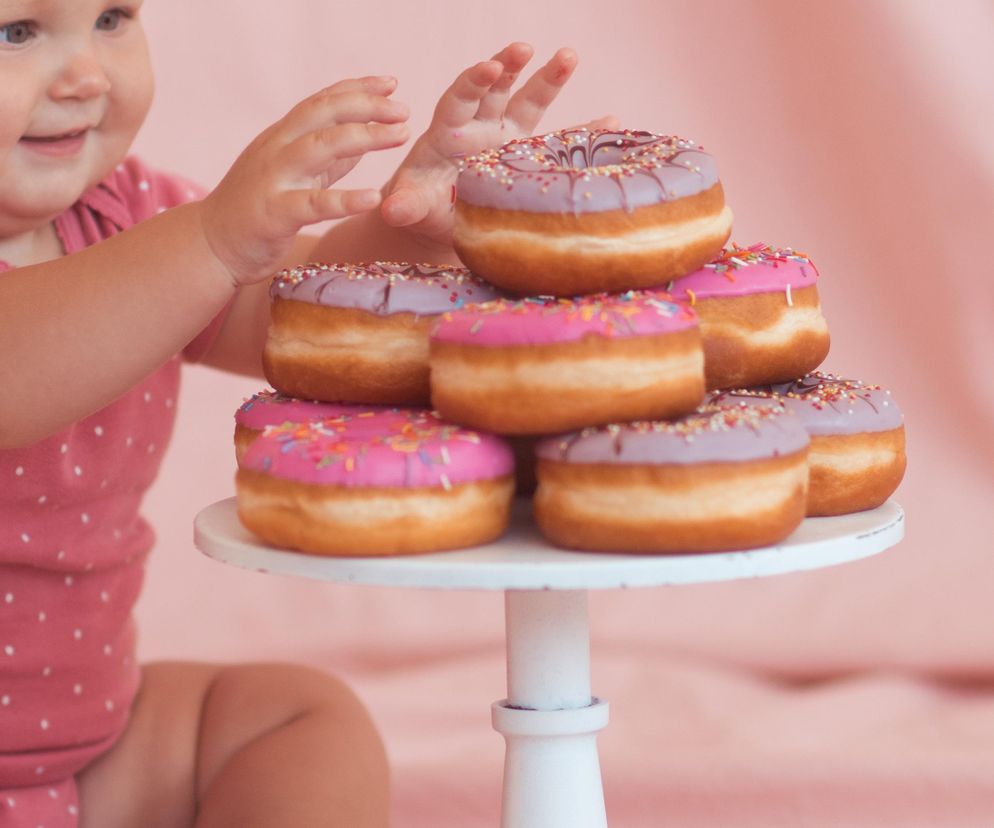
(243, 745)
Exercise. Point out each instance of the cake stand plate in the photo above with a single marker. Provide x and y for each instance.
(521, 559)
(550, 719)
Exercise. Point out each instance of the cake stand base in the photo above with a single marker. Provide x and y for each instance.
(549, 719)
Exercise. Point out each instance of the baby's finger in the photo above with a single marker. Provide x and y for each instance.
(336, 171)
(513, 58)
(529, 103)
(299, 208)
(460, 102)
(403, 207)
(373, 84)
(606, 122)
(315, 151)
(329, 108)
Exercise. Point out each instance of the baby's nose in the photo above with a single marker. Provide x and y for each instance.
(82, 77)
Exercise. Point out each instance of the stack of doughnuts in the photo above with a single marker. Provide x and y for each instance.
(656, 389)
(367, 468)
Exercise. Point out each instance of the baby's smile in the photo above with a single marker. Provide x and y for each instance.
(69, 142)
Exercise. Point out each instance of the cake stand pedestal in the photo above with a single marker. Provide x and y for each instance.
(550, 719)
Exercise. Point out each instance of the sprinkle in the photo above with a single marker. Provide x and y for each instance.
(575, 154)
(820, 389)
(790, 300)
(446, 484)
(693, 297)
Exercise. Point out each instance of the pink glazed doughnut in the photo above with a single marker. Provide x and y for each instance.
(359, 333)
(546, 365)
(761, 319)
(584, 211)
(271, 408)
(725, 477)
(422, 488)
(857, 457)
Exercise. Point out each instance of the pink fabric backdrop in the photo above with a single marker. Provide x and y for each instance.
(858, 133)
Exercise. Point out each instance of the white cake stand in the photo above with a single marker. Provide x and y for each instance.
(549, 719)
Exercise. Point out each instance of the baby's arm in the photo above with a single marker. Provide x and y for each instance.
(79, 331)
(478, 111)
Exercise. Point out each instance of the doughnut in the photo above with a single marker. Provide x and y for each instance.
(761, 319)
(269, 408)
(723, 478)
(857, 456)
(586, 211)
(422, 488)
(359, 333)
(545, 365)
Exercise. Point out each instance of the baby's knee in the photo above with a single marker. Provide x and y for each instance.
(277, 736)
(264, 697)
(293, 688)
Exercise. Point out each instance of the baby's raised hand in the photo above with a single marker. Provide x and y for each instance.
(281, 182)
(475, 113)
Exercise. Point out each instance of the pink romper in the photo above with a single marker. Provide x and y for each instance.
(72, 551)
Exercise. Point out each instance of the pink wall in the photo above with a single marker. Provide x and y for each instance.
(858, 133)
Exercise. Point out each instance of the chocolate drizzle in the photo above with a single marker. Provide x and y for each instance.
(567, 170)
(827, 404)
(818, 388)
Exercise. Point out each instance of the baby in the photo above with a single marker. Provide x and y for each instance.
(110, 275)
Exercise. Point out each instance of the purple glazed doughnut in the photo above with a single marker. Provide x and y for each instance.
(546, 365)
(359, 333)
(725, 477)
(585, 211)
(857, 457)
(761, 319)
(271, 408)
(422, 487)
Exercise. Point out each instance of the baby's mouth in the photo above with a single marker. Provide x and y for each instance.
(65, 143)
(54, 139)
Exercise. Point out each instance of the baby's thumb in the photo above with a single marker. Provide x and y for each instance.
(403, 207)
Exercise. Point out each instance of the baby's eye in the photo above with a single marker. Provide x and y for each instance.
(111, 20)
(17, 33)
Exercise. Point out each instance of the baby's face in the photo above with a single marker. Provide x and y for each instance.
(75, 86)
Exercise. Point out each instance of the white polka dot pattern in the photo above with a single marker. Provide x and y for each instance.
(72, 553)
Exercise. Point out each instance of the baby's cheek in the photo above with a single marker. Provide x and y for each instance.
(132, 86)
(131, 101)
(15, 113)
(129, 104)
